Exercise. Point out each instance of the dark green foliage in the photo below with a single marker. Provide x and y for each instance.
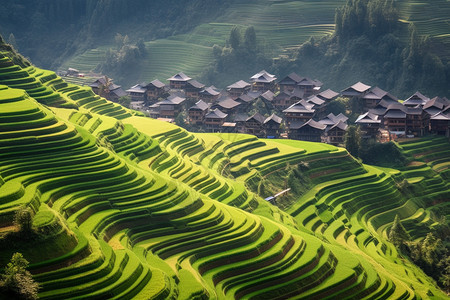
(432, 255)
(398, 234)
(124, 101)
(16, 282)
(353, 140)
(381, 154)
(235, 38)
(23, 219)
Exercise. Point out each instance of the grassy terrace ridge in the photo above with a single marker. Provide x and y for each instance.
(128, 207)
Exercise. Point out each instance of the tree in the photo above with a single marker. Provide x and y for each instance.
(12, 41)
(250, 38)
(353, 140)
(23, 219)
(398, 234)
(124, 101)
(235, 37)
(17, 282)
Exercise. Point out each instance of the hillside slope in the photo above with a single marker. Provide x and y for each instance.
(130, 207)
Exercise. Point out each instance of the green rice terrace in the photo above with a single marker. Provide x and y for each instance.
(128, 207)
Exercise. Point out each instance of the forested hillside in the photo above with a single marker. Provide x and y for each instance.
(103, 202)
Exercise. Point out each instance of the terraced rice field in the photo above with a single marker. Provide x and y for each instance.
(128, 207)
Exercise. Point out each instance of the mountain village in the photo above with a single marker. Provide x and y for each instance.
(294, 107)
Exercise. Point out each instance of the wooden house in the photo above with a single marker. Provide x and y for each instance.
(255, 125)
(227, 105)
(301, 111)
(238, 88)
(209, 94)
(309, 86)
(198, 112)
(239, 120)
(369, 124)
(328, 95)
(272, 126)
(105, 87)
(289, 83)
(138, 92)
(416, 99)
(214, 120)
(357, 90)
(335, 134)
(193, 88)
(375, 95)
(436, 105)
(178, 81)
(263, 81)
(440, 123)
(310, 131)
(286, 98)
(171, 106)
(155, 90)
(319, 105)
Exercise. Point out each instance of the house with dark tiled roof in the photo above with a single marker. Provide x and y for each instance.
(209, 94)
(309, 86)
(155, 89)
(440, 122)
(328, 95)
(138, 92)
(403, 120)
(178, 81)
(171, 106)
(309, 131)
(357, 90)
(286, 98)
(226, 105)
(272, 126)
(197, 112)
(105, 87)
(435, 105)
(193, 88)
(238, 88)
(255, 125)
(301, 111)
(289, 83)
(214, 120)
(369, 124)
(263, 81)
(375, 95)
(335, 134)
(416, 99)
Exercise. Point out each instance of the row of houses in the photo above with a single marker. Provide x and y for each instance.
(297, 106)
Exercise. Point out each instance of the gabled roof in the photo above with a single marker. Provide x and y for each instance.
(194, 83)
(200, 105)
(315, 100)
(331, 119)
(300, 107)
(274, 118)
(310, 123)
(257, 117)
(263, 76)
(436, 102)
(292, 78)
(156, 83)
(119, 92)
(228, 103)
(298, 93)
(416, 99)
(210, 91)
(268, 95)
(173, 99)
(368, 118)
(240, 117)
(179, 77)
(341, 125)
(357, 88)
(440, 116)
(309, 82)
(216, 114)
(138, 88)
(245, 98)
(328, 94)
(241, 84)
